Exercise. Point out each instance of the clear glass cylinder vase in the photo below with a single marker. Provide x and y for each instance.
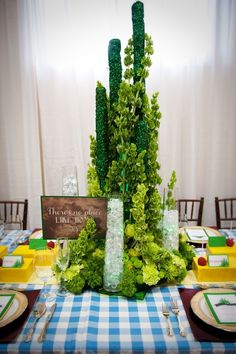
(69, 181)
(113, 267)
(170, 227)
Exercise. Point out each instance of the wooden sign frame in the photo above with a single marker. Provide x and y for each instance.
(64, 216)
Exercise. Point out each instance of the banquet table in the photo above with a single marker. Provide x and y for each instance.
(97, 323)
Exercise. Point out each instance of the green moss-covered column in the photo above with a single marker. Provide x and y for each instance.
(138, 35)
(115, 69)
(101, 135)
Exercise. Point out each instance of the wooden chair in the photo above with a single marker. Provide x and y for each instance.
(14, 213)
(225, 209)
(190, 211)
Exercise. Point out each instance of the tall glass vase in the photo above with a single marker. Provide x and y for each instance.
(113, 267)
(69, 181)
(170, 227)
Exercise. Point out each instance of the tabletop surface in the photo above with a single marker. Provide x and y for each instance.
(98, 323)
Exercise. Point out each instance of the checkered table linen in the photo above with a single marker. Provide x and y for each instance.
(228, 232)
(12, 237)
(96, 323)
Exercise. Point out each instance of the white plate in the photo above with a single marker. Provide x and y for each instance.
(200, 308)
(17, 307)
(199, 240)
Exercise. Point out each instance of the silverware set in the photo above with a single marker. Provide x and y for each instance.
(39, 311)
(166, 313)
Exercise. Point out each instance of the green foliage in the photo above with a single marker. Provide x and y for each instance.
(186, 251)
(94, 189)
(170, 201)
(86, 263)
(127, 164)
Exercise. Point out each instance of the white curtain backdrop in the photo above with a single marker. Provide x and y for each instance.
(52, 53)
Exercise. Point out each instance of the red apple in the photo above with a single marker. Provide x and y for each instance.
(202, 261)
(230, 242)
(50, 244)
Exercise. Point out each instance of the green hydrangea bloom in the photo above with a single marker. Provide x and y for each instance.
(150, 274)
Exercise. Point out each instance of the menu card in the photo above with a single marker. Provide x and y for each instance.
(5, 303)
(222, 305)
(198, 234)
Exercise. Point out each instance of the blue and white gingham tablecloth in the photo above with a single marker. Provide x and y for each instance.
(228, 232)
(96, 323)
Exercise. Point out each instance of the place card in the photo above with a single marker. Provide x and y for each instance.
(198, 234)
(37, 244)
(5, 302)
(222, 306)
(218, 260)
(216, 241)
(12, 262)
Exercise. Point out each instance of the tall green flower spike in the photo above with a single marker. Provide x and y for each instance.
(101, 134)
(115, 69)
(138, 36)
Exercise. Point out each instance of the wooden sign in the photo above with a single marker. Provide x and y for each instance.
(66, 216)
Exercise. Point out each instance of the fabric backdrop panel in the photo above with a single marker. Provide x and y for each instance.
(52, 53)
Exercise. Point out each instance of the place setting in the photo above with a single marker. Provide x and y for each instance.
(211, 313)
(15, 308)
(17, 305)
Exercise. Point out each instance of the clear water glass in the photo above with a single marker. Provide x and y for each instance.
(43, 269)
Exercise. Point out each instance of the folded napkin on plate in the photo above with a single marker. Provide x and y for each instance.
(201, 330)
(10, 332)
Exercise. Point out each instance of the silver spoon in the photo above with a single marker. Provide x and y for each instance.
(39, 311)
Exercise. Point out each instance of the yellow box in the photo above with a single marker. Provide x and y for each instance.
(26, 252)
(3, 251)
(206, 273)
(230, 251)
(19, 275)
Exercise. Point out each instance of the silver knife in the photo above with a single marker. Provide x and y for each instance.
(49, 316)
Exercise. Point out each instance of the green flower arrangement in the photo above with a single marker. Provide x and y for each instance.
(124, 161)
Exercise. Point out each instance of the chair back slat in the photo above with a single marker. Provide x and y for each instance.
(225, 210)
(14, 213)
(193, 210)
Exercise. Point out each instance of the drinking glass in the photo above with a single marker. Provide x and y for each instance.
(43, 268)
(62, 262)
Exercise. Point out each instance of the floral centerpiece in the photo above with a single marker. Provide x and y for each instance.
(124, 161)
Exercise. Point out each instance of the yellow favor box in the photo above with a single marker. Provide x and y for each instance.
(3, 251)
(206, 273)
(26, 252)
(17, 275)
(230, 251)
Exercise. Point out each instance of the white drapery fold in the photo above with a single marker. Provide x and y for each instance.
(52, 53)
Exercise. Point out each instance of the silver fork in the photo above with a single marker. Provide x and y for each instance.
(175, 310)
(166, 314)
